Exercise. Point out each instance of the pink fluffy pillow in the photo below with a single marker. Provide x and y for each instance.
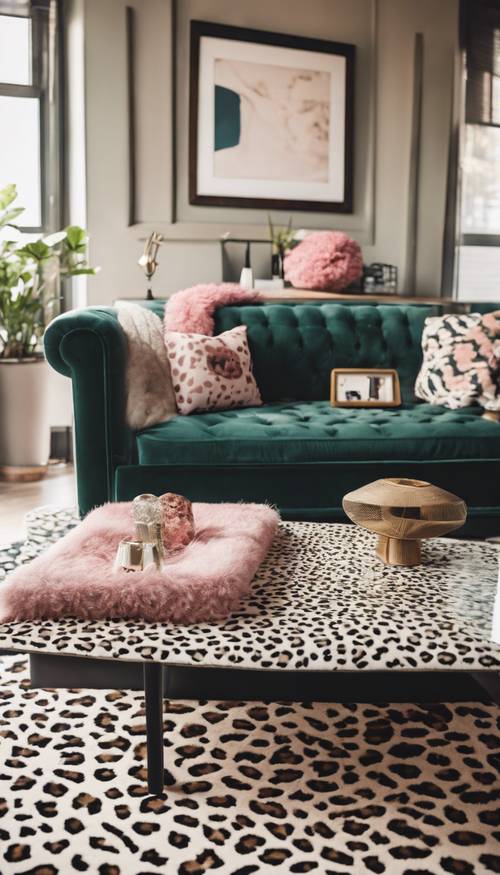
(325, 260)
(192, 310)
(212, 373)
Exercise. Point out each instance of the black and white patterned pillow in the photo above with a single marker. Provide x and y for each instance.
(461, 361)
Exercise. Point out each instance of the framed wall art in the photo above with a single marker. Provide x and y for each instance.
(271, 120)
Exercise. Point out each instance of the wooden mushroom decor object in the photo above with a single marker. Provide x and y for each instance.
(402, 512)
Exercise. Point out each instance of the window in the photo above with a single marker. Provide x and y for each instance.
(481, 180)
(15, 50)
(29, 124)
(479, 253)
(481, 148)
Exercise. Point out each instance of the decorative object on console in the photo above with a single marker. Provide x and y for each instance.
(148, 260)
(461, 361)
(212, 373)
(204, 582)
(246, 278)
(150, 397)
(380, 279)
(288, 145)
(231, 249)
(402, 512)
(365, 387)
(276, 284)
(324, 260)
(191, 310)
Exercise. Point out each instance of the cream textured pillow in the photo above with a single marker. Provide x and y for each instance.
(212, 373)
(150, 395)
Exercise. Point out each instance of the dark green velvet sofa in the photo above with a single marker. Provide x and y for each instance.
(296, 451)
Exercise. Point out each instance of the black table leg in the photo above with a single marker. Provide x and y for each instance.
(153, 694)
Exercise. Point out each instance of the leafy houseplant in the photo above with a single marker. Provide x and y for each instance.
(30, 275)
(282, 239)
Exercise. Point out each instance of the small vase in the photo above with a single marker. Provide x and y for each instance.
(278, 263)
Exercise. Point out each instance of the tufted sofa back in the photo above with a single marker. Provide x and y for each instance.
(295, 346)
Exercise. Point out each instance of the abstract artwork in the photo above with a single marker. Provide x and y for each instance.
(270, 120)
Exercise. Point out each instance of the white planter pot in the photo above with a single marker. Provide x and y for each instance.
(24, 427)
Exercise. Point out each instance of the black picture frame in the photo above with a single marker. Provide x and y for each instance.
(200, 29)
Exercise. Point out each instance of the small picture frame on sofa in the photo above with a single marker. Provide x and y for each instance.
(365, 387)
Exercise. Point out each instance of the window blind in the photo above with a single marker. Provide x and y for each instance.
(481, 39)
(22, 8)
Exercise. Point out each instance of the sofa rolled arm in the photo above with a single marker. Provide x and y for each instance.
(90, 347)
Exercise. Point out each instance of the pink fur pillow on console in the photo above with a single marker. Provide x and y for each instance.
(212, 373)
(325, 260)
(204, 581)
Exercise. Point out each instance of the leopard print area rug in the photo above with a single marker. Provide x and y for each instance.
(43, 526)
(250, 787)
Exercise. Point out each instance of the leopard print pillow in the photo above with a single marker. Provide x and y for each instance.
(461, 361)
(212, 373)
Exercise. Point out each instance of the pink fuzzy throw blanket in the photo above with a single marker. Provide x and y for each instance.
(192, 310)
(205, 581)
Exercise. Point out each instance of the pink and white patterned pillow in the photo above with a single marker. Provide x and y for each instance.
(461, 363)
(212, 373)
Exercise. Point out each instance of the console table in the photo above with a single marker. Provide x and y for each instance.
(285, 295)
(320, 602)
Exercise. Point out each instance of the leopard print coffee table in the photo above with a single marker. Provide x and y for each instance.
(320, 602)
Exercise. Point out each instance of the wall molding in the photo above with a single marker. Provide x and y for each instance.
(211, 231)
(130, 27)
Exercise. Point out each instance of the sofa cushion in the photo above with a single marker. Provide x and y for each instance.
(316, 432)
(295, 346)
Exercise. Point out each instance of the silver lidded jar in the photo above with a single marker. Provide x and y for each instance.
(135, 555)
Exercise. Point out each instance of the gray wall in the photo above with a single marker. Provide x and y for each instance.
(383, 32)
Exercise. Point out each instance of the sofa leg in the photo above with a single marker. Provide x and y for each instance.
(153, 694)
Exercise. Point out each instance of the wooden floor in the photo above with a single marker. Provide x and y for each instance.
(58, 488)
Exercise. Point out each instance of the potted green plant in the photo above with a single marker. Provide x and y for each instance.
(30, 277)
